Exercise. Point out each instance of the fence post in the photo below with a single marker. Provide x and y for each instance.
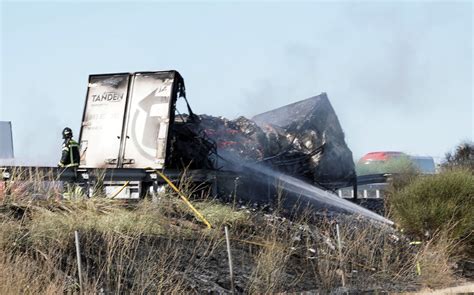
(78, 255)
(339, 246)
(231, 272)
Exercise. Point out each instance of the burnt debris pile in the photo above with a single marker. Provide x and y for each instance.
(303, 139)
(315, 132)
(296, 152)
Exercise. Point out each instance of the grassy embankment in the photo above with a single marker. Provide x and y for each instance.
(161, 247)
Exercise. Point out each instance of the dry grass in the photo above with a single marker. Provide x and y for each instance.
(369, 255)
(272, 259)
(436, 261)
(20, 275)
(160, 247)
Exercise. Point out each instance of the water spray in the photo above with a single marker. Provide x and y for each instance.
(303, 189)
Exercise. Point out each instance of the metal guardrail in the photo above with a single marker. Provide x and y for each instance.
(368, 187)
(374, 178)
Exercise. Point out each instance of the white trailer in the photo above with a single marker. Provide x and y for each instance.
(126, 123)
(127, 119)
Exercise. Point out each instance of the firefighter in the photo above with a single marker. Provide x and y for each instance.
(70, 151)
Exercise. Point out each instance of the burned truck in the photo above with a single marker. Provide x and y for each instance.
(129, 118)
(130, 121)
(130, 128)
(132, 132)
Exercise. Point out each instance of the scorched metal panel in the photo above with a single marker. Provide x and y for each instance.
(148, 120)
(6, 140)
(102, 124)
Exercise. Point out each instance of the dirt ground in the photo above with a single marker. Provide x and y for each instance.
(467, 288)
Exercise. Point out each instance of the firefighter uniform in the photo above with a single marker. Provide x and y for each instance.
(70, 151)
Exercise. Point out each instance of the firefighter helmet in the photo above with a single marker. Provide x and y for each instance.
(67, 133)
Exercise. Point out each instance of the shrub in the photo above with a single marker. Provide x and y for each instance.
(432, 203)
(463, 157)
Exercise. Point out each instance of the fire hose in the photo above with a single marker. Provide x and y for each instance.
(184, 198)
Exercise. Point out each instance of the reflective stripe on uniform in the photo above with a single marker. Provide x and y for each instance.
(70, 145)
(73, 143)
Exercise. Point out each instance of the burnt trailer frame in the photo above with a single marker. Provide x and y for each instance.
(86, 178)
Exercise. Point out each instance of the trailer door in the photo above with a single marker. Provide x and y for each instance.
(103, 119)
(148, 120)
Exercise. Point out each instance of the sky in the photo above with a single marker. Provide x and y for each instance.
(398, 74)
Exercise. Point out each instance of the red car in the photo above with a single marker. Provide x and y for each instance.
(425, 164)
(380, 157)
